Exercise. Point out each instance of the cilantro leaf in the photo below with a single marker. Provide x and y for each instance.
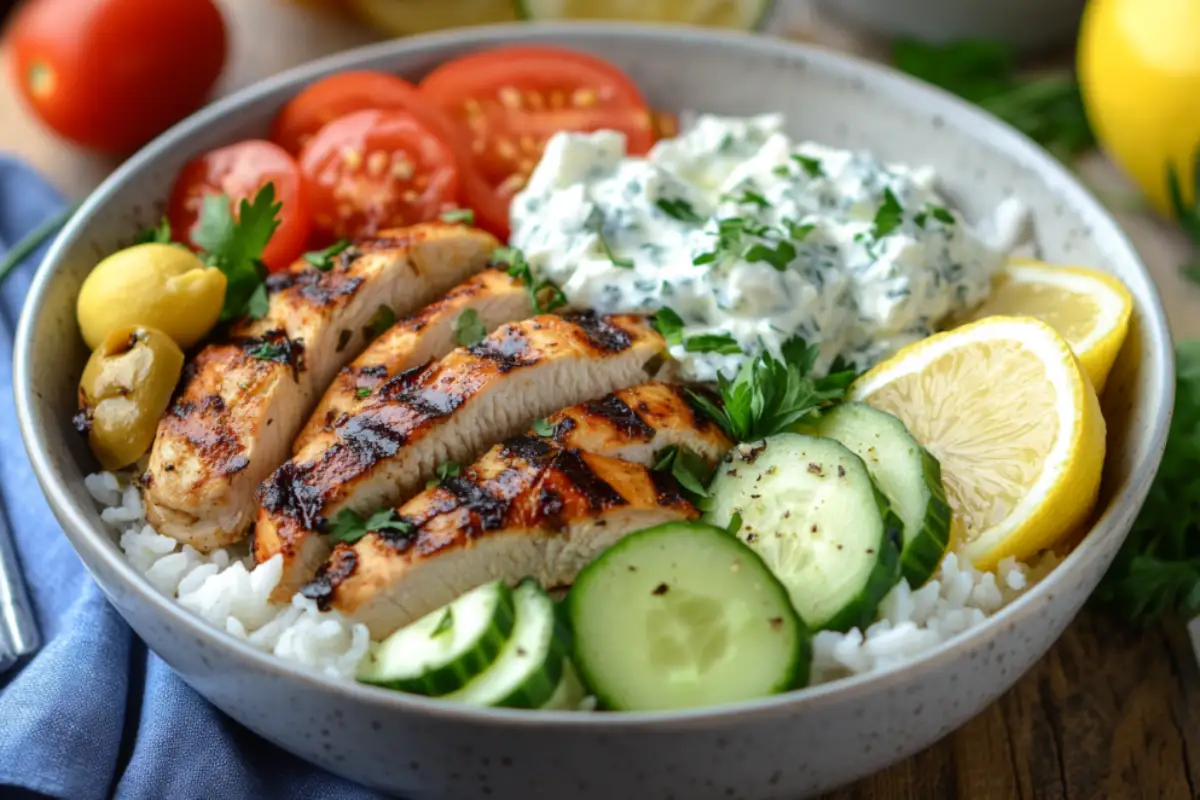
(268, 351)
(770, 395)
(752, 198)
(362, 392)
(688, 469)
(679, 209)
(349, 526)
(443, 472)
(669, 324)
(811, 166)
(544, 294)
(464, 216)
(721, 343)
(1157, 570)
(235, 246)
(469, 329)
(159, 234)
(888, 216)
(779, 256)
(324, 259)
(543, 428)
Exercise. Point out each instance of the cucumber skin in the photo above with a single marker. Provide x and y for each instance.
(860, 612)
(922, 556)
(540, 686)
(458, 673)
(800, 666)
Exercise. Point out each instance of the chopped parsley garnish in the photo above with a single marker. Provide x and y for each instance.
(680, 209)
(669, 324)
(469, 329)
(269, 351)
(721, 343)
(234, 244)
(445, 624)
(324, 259)
(623, 263)
(349, 526)
(544, 295)
(385, 317)
(749, 197)
(731, 232)
(779, 256)
(362, 392)
(888, 217)
(937, 212)
(443, 472)
(796, 232)
(1188, 217)
(688, 469)
(811, 166)
(769, 395)
(464, 216)
(543, 428)
(159, 234)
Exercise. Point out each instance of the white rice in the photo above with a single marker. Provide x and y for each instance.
(227, 590)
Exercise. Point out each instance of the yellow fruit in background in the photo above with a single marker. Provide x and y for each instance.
(1139, 71)
(404, 17)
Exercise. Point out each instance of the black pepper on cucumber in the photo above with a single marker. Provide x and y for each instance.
(683, 615)
(909, 476)
(810, 508)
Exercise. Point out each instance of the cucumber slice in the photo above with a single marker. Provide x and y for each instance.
(683, 615)
(907, 474)
(570, 692)
(745, 14)
(446, 648)
(529, 668)
(809, 507)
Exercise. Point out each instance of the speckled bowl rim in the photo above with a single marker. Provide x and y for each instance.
(99, 543)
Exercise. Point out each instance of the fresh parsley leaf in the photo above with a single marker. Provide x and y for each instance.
(749, 197)
(349, 526)
(235, 246)
(779, 256)
(445, 624)
(1157, 570)
(324, 259)
(811, 166)
(544, 295)
(679, 208)
(384, 318)
(1188, 217)
(771, 395)
(464, 216)
(798, 233)
(443, 472)
(688, 469)
(888, 216)
(623, 263)
(159, 234)
(543, 428)
(721, 343)
(781, 170)
(469, 329)
(362, 392)
(669, 324)
(731, 233)
(268, 351)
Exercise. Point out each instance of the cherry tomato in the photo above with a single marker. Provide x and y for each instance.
(112, 74)
(238, 172)
(377, 169)
(336, 96)
(508, 102)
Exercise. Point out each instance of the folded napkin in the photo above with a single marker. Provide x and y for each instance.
(95, 714)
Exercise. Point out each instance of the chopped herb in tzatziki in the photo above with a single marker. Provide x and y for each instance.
(750, 239)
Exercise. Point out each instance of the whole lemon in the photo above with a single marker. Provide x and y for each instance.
(1139, 70)
(160, 286)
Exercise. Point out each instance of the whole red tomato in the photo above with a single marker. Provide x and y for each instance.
(112, 74)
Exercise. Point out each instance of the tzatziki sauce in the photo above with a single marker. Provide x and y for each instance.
(752, 239)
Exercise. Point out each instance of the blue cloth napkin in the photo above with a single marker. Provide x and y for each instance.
(94, 714)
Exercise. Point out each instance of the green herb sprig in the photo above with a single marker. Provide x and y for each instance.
(234, 244)
(670, 325)
(469, 329)
(349, 526)
(544, 294)
(443, 472)
(769, 395)
(688, 469)
(324, 260)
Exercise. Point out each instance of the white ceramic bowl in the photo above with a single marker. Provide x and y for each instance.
(783, 746)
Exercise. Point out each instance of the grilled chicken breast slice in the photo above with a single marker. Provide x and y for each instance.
(241, 401)
(529, 508)
(492, 295)
(449, 411)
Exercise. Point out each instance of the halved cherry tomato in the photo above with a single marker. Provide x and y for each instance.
(508, 102)
(336, 96)
(377, 169)
(239, 171)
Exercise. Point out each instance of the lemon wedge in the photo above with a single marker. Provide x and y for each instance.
(1088, 308)
(1006, 408)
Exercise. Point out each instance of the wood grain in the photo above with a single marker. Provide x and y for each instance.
(1109, 713)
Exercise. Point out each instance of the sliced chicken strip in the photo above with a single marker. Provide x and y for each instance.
(449, 411)
(241, 401)
(529, 508)
(492, 295)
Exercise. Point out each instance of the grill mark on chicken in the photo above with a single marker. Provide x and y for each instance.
(487, 510)
(668, 489)
(336, 570)
(286, 492)
(599, 494)
(274, 345)
(508, 348)
(527, 447)
(624, 418)
(600, 332)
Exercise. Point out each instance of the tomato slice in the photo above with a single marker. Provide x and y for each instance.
(376, 169)
(239, 171)
(336, 96)
(508, 102)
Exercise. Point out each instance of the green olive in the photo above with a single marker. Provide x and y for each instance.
(164, 286)
(126, 386)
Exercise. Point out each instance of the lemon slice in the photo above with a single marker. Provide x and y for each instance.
(1089, 308)
(1006, 408)
(403, 17)
(745, 14)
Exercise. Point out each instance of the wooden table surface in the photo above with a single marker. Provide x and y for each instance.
(1110, 712)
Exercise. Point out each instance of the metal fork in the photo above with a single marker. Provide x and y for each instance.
(18, 631)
